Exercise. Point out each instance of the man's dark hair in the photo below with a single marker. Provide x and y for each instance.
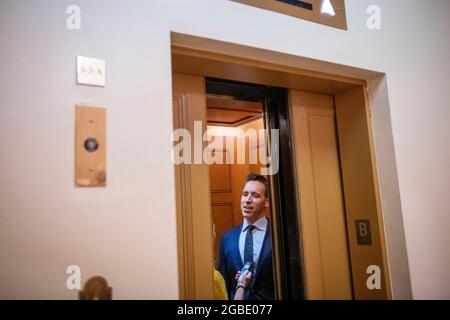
(257, 177)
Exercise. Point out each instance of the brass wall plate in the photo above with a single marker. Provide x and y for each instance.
(90, 146)
(307, 9)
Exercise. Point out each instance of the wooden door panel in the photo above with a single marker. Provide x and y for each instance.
(192, 196)
(322, 212)
(220, 178)
(222, 214)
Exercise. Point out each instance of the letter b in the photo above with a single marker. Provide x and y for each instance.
(362, 229)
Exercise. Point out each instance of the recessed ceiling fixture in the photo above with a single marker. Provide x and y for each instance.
(328, 12)
(327, 8)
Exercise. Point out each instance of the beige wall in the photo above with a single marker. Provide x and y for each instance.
(126, 231)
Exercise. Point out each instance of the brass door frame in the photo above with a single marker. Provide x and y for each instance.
(217, 59)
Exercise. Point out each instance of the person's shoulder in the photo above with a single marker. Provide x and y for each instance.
(220, 288)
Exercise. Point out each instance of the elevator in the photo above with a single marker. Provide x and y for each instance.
(328, 234)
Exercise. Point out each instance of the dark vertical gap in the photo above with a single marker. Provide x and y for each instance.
(285, 185)
(349, 257)
(299, 4)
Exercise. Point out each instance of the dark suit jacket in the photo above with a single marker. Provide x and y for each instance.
(262, 287)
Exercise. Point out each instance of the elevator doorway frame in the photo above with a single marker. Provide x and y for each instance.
(211, 58)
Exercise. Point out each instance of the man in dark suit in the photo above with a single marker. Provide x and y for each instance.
(250, 242)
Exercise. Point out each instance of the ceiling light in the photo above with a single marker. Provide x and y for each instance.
(327, 8)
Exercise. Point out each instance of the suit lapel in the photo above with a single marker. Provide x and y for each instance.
(265, 251)
(236, 253)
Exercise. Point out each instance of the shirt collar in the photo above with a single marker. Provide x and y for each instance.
(260, 224)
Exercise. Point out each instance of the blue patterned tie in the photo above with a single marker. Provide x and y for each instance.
(248, 249)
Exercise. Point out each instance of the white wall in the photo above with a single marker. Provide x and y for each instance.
(126, 231)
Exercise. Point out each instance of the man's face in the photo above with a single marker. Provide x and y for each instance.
(253, 201)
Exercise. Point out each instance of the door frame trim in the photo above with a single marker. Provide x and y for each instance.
(333, 79)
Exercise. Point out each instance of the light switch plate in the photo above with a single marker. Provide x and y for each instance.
(90, 146)
(91, 71)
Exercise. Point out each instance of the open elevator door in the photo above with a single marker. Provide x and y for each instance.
(282, 213)
(193, 197)
(295, 274)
